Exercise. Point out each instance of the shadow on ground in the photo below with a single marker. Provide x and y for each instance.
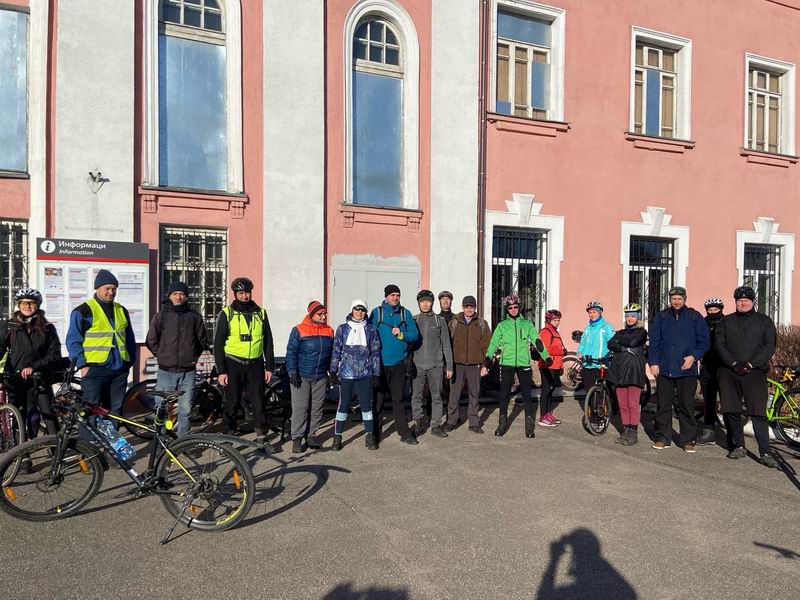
(346, 591)
(587, 574)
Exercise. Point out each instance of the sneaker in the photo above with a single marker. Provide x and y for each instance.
(421, 425)
(313, 443)
(369, 442)
(737, 453)
(337, 442)
(447, 427)
(768, 460)
(410, 440)
(554, 419)
(475, 429)
(706, 438)
(689, 448)
(546, 421)
(659, 445)
(438, 432)
(297, 446)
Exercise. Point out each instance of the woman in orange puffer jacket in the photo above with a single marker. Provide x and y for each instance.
(551, 373)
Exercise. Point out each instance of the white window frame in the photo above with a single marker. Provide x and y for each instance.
(663, 74)
(232, 23)
(786, 133)
(390, 11)
(683, 80)
(557, 18)
(655, 223)
(765, 231)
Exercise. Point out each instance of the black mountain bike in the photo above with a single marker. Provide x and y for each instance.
(597, 406)
(202, 480)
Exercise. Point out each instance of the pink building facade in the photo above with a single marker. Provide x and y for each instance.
(566, 151)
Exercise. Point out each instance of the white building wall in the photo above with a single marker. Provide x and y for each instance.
(94, 120)
(455, 48)
(294, 161)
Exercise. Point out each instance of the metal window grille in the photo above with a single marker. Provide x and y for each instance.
(198, 257)
(13, 262)
(519, 266)
(762, 272)
(650, 273)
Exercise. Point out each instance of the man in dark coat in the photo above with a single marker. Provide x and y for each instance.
(709, 373)
(177, 337)
(678, 340)
(745, 341)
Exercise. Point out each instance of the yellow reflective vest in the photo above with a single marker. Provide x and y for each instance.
(101, 337)
(251, 344)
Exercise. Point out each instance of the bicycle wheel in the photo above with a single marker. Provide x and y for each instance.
(206, 408)
(12, 434)
(787, 422)
(212, 480)
(138, 406)
(597, 410)
(571, 374)
(29, 494)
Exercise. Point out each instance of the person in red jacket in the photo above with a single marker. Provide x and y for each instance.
(551, 373)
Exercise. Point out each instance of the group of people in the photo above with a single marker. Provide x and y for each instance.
(370, 356)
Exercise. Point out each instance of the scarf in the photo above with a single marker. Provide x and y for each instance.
(357, 336)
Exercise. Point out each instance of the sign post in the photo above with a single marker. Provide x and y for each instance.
(66, 270)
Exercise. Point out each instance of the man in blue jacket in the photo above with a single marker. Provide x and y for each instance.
(678, 340)
(101, 341)
(398, 331)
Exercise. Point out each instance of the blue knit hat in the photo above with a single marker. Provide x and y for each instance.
(104, 277)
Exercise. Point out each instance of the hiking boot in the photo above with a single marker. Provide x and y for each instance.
(369, 442)
(447, 427)
(768, 460)
(633, 436)
(476, 429)
(297, 446)
(530, 425)
(313, 443)
(438, 432)
(689, 448)
(659, 445)
(737, 453)
(266, 447)
(421, 425)
(623, 436)
(410, 440)
(706, 437)
(502, 426)
(337, 443)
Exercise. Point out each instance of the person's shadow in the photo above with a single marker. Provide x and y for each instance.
(592, 576)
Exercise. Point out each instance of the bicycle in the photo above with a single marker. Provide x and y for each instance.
(597, 405)
(12, 428)
(783, 408)
(201, 480)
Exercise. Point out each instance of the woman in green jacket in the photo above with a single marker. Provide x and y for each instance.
(518, 342)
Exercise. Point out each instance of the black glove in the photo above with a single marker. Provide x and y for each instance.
(334, 379)
(376, 382)
(742, 368)
(548, 361)
(295, 380)
(487, 362)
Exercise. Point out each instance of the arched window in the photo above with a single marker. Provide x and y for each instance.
(382, 91)
(193, 82)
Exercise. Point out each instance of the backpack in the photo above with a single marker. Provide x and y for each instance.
(402, 316)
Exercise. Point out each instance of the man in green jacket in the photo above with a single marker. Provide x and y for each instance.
(516, 341)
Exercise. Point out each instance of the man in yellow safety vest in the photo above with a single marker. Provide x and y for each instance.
(101, 341)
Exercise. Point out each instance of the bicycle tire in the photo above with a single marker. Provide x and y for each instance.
(597, 410)
(81, 457)
(12, 435)
(571, 373)
(239, 475)
(789, 429)
(206, 408)
(137, 407)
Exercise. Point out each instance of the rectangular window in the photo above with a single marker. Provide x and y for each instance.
(524, 86)
(198, 257)
(13, 262)
(655, 78)
(519, 266)
(762, 272)
(765, 108)
(13, 90)
(193, 137)
(650, 273)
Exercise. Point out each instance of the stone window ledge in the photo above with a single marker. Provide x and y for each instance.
(768, 158)
(380, 215)
(527, 126)
(154, 197)
(659, 144)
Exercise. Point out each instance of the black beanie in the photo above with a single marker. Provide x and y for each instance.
(104, 277)
(390, 289)
(177, 286)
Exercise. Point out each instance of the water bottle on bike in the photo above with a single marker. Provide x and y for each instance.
(120, 445)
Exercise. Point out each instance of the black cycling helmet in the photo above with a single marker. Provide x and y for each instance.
(425, 295)
(28, 294)
(242, 284)
(445, 294)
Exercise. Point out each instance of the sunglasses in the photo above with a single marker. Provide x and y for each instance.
(514, 307)
(27, 303)
(360, 308)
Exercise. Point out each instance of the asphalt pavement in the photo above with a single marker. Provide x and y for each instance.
(564, 515)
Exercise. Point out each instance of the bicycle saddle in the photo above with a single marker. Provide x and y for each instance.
(165, 393)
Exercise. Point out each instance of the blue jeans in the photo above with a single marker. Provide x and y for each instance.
(167, 380)
(106, 388)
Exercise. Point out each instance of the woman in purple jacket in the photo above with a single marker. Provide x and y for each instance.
(356, 367)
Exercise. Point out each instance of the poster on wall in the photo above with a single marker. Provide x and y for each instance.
(66, 270)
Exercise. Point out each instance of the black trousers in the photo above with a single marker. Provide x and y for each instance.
(752, 389)
(551, 379)
(34, 403)
(524, 374)
(393, 381)
(734, 425)
(589, 378)
(709, 385)
(247, 378)
(678, 392)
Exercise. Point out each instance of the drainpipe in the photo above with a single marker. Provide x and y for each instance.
(483, 78)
